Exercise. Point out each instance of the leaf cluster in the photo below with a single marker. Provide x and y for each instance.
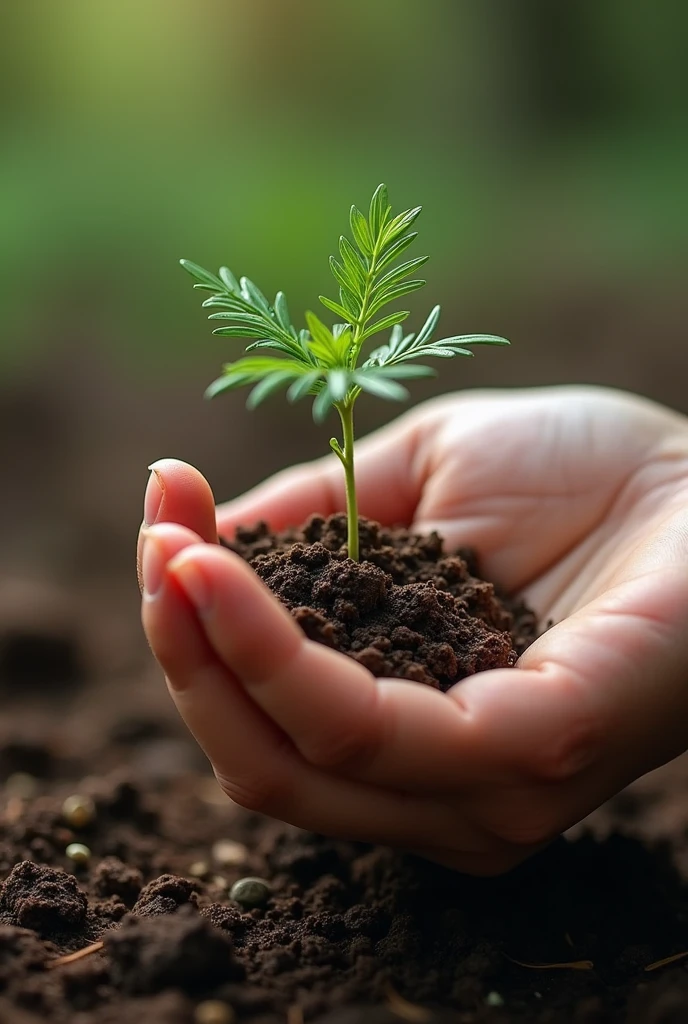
(321, 361)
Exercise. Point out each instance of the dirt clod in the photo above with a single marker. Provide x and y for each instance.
(42, 898)
(179, 950)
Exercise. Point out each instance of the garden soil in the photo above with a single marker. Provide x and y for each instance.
(591, 931)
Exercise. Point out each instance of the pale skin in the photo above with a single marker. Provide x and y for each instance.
(576, 498)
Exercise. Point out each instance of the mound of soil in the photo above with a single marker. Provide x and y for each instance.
(591, 931)
(406, 610)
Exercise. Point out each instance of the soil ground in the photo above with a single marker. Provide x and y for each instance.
(350, 933)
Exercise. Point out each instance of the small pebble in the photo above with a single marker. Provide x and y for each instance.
(250, 892)
(78, 810)
(78, 854)
(228, 854)
(214, 1011)
(199, 869)
(494, 999)
(21, 785)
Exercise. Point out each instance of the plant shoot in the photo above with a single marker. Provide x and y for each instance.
(329, 363)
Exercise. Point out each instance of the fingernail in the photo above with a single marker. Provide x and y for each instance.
(152, 567)
(194, 584)
(155, 490)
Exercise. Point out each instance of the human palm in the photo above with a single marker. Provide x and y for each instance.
(576, 498)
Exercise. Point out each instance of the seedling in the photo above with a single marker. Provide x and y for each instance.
(325, 362)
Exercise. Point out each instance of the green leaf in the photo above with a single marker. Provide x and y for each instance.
(226, 301)
(204, 277)
(322, 404)
(406, 370)
(254, 295)
(475, 339)
(353, 263)
(319, 331)
(267, 386)
(399, 224)
(387, 321)
(240, 331)
(229, 280)
(242, 318)
(282, 312)
(400, 272)
(395, 292)
(226, 383)
(360, 231)
(338, 381)
(258, 366)
(302, 386)
(329, 350)
(397, 336)
(390, 253)
(438, 351)
(350, 302)
(268, 343)
(344, 278)
(345, 314)
(379, 210)
(382, 387)
(429, 326)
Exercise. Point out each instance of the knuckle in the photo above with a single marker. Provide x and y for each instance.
(343, 752)
(259, 795)
(571, 751)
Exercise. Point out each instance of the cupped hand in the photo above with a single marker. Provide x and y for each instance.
(576, 498)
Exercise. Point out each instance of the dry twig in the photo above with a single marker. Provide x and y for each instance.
(572, 965)
(71, 958)
(667, 960)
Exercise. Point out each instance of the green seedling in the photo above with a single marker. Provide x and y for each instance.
(327, 362)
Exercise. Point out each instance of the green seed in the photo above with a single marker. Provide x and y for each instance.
(78, 854)
(494, 999)
(78, 810)
(250, 892)
(214, 1011)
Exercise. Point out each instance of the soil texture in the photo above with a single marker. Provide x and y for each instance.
(406, 609)
(591, 931)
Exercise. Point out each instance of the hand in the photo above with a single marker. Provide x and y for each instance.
(577, 498)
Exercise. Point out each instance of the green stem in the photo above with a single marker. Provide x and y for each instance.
(346, 414)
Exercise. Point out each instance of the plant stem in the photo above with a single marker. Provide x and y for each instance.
(346, 414)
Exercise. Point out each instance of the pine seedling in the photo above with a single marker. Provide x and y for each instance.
(326, 363)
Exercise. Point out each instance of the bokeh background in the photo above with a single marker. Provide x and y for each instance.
(546, 141)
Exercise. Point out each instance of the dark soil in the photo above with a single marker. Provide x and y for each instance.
(406, 610)
(350, 933)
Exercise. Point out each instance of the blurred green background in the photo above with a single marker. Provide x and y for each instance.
(546, 141)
